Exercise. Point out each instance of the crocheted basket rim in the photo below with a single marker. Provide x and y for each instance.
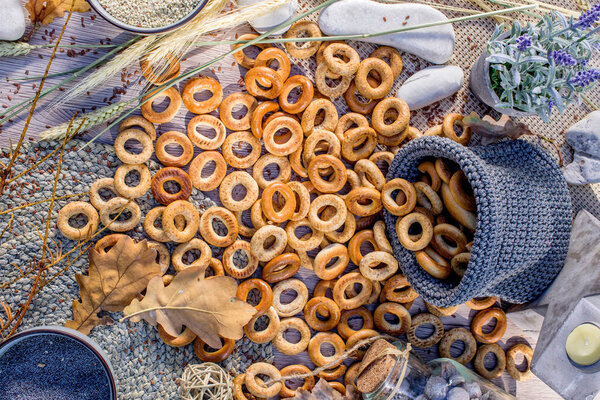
(486, 250)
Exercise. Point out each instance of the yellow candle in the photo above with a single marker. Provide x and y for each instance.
(583, 344)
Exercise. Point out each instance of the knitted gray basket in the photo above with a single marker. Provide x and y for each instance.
(524, 220)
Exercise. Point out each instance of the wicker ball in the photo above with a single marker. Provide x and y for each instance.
(206, 381)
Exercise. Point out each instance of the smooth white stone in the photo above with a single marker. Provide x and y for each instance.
(12, 20)
(431, 85)
(278, 16)
(584, 136)
(583, 170)
(351, 17)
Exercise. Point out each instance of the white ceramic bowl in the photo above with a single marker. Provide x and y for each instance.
(144, 31)
(73, 334)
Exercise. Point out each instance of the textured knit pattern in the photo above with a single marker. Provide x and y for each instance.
(145, 367)
(524, 220)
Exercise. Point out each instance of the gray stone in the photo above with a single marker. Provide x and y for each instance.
(584, 136)
(472, 389)
(273, 18)
(350, 17)
(583, 170)
(431, 85)
(458, 394)
(436, 388)
(12, 20)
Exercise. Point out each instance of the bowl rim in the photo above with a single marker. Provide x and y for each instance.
(100, 10)
(75, 335)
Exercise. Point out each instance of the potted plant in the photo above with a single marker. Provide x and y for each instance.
(531, 70)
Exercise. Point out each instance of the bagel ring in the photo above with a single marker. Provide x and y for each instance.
(194, 244)
(480, 358)
(479, 304)
(264, 249)
(120, 205)
(282, 267)
(308, 92)
(433, 263)
(404, 318)
(408, 191)
(511, 366)
(229, 265)
(174, 137)
(132, 192)
(481, 318)
(398, 290)
(99, 184)
(406, 239)
(226, 218)
(385, 75)
(258, 387)
(267, 334)
(125, 155)
(230, 182)
(455, 335)
(202, 161)
(169, 113)
(213, 356)
(285, 346)
(172, 214)
(348, 281)
(344, 329)
(400, 123)
(425, 319)
(198, 85)
(314, 348)
(232, 101)
(202, 141)
(295, 306)
(72, 209)
(318, 305)
(448, 126)
(171, 174)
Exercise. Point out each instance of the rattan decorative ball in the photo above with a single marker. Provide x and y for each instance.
(206, 381)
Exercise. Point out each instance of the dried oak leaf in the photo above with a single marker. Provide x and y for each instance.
(114, 279)
(207, 306)
(44, 11)
(492, 131)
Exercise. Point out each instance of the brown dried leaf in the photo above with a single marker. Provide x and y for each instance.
(114, 279)
(207, 306)
(492, 131)
(44, 11)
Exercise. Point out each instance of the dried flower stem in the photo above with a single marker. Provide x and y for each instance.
(6, 171)
(68, 196)
(18, 108)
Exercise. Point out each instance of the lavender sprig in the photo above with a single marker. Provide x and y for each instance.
(537, 68)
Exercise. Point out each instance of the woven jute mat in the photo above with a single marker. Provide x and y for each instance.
(145, 367)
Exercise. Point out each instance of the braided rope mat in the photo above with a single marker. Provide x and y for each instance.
(144, 366)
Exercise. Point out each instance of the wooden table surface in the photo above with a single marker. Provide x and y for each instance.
(88, 28)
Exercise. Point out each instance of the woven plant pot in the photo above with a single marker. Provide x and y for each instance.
(524, 220)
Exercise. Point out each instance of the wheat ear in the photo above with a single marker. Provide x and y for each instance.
(110, 69)
(182, 39)
(13, 49)
(85, 121)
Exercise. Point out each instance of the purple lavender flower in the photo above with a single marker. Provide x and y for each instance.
(588, 18)
(584, 78)
(584, 61)
(550, 104)
(523, 42)
(563, 58)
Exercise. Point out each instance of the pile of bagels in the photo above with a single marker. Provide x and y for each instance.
(299, 186)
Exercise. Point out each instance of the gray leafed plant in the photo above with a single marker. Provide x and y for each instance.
(539, 67)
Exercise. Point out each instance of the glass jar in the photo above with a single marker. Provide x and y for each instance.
(438, 379)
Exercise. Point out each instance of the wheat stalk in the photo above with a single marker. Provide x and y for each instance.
(85, 121)
(110, 69)
(181, 40)
(13, 49)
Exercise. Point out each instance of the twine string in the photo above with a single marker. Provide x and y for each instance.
(330, 364)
